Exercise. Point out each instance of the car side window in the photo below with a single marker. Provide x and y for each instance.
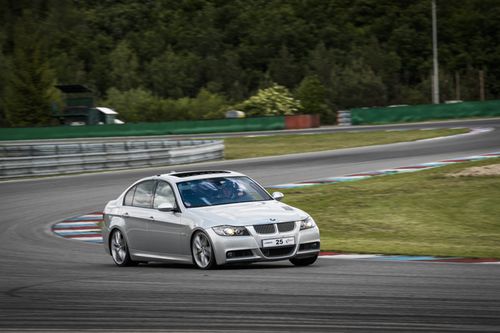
(143, 196)
(129, 197)
(163, 194)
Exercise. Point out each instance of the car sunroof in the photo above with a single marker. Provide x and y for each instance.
(196, 173)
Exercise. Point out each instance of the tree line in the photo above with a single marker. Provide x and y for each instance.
(191, 59)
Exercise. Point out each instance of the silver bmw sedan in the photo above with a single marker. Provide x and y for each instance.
(208, 218)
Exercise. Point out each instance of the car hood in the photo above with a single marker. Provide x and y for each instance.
(248, 213)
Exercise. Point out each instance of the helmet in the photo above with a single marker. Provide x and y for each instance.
(230, 189)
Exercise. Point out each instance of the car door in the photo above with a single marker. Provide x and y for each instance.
(136, 212)
(165, 228)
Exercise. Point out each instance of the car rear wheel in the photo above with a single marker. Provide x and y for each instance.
(119, 250)
(304, 261)
(202, 251)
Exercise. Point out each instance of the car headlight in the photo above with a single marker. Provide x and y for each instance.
(229, 230)
(307, 223)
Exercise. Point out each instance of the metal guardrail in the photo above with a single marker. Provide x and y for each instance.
(53, 159)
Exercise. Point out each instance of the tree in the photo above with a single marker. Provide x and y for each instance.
(30, 81)
(134, 105)
(67, 40)
(356, 85)
(385, 64)
(312, 95)
(124, 67)
(174, 75)
(224, 75)
(321, 62)
(285, 70)
(364, 52)
(208, 105)
(3, 83)
(273, 101)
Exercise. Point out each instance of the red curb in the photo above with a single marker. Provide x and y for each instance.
(456, 161)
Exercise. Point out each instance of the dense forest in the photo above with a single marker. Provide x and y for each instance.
(190, 59)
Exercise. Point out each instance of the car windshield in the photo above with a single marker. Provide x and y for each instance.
(220, 191)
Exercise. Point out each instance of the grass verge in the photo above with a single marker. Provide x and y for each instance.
(244, 147)
(421, 213)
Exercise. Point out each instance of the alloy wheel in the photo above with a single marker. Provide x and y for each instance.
(202, 251)
(119, 249)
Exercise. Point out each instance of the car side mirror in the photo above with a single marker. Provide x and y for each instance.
(166, 207)
(278, 196)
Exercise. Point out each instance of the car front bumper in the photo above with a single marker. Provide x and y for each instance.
(233, 249)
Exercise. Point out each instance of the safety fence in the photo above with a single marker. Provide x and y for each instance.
(413, 113)
(144, 129)
(54, 159)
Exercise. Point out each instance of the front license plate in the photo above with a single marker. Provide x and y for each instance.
(278, 242)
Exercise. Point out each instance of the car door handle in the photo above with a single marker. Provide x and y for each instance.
(125, 214)
(151, 217)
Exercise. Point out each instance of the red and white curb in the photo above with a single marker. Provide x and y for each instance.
(473, 131)
(87, 228)
(398, 170)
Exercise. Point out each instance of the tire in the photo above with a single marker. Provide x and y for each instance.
(119, 250)
(202, 251)
(304, 261)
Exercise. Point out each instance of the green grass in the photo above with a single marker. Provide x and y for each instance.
(289, 144)
(422, 213)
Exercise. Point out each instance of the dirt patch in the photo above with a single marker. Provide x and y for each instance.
(487, 170)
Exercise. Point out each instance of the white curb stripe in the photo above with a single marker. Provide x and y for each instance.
(92, 238)
(76, 231)
(75, 224)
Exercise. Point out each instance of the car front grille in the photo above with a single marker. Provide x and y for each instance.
(271, 228)
(285, 227)
(264, 228)
(278, 251)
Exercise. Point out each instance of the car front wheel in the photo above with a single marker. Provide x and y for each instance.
(304, 261)
(119, 250)
(202, 251)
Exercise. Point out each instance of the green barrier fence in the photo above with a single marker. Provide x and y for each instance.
(425, 112)
(142, 129)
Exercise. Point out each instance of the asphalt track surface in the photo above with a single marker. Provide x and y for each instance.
(50, 283)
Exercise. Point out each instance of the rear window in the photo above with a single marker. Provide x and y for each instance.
(140, 195)
(129, 197)
(143, 196)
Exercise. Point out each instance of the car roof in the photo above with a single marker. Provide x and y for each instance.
(182, 176)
